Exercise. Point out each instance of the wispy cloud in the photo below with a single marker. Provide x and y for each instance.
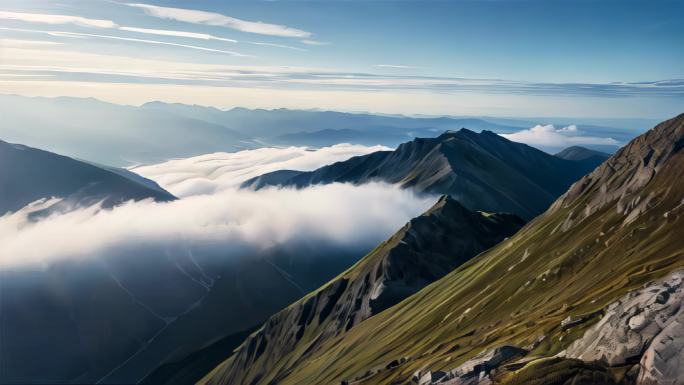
(217, 19)
(20, 43)
(164, 32)
(79, 35)
(126, 69)
(314, 42)
(57, 19)
(396, 66)
(278, 46)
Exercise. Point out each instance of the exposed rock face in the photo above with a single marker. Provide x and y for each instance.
(646, 327)
(475, 371)
(424, 250)
(621, 178)
(483, 171)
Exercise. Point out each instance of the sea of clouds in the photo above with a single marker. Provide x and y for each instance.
(213, 212)
(207, 174)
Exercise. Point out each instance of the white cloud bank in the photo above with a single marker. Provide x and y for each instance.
(207, 174)
(550, 136)
(231, 221)
(217, 19)
(213, 214)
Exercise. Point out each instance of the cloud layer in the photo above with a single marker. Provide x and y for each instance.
(548, 136)
(214, 215)
(234, 222)
(134, 70)
(210, 173)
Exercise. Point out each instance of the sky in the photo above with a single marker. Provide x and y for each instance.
(575, 59)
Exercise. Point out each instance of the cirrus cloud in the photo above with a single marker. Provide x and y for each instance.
(219, 20)
(165, 32)
(57, 19)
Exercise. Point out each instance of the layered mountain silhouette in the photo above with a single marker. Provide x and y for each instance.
(129, 135)
(424, 250)
(589, 292)
(484, 171)
(28, 174)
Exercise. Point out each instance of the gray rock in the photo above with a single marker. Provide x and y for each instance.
(645, 325)
(474, 371)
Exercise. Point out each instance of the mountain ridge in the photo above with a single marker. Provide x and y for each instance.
(28, 174)
(482, 170)
(424, 250)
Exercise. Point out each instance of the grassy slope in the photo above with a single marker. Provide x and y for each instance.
(422, 251)
(498, 298)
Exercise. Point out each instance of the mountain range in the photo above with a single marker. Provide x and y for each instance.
(589, 292)
(114, 322)
(483, 171)
(123, 136)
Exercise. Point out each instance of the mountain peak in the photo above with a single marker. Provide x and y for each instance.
(447, 205)
(463, 132)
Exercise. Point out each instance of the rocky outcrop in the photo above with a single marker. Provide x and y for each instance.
(621, 179)
(475, 371)
(645, 328)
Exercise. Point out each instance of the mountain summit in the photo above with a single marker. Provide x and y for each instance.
(483, 170)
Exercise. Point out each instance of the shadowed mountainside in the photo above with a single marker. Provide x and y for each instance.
(28, 174)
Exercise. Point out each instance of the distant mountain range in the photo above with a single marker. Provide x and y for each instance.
(123, 136)
(484, 171)
(28, 174)
(589, 292)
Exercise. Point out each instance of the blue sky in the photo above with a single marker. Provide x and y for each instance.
(589, 59)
